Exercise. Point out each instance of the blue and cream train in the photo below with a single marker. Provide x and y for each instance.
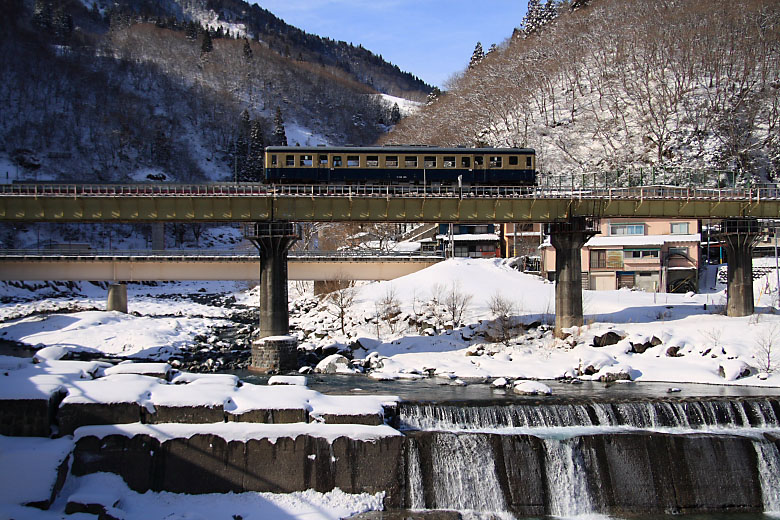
(400, 165)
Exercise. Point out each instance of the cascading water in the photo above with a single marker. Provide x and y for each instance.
(567, 485)
(646, 414)
(464, 475)
(414, 477)
(769, 474)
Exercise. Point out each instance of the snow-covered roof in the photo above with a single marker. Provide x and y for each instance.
(635, 240)
(477, 237)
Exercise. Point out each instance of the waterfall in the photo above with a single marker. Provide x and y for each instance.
(414, 477)
(769, 474)
(464, 475)
(567, 486)
(734, 413)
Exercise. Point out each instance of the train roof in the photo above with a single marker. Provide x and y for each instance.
(398, 149)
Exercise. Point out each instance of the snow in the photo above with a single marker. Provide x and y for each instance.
(287, 380)
(243, 432)
(30, 468)
(110, 491)
(531, 388)
(405, 106)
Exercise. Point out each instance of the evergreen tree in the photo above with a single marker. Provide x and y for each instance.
(247, 50)
(493, 48)
(207, 45)
(433, 96)
(254, 167)
(191, 32)
(395, 114)
(280, 135)
(477, 56)
(62, 24)
(43, 16)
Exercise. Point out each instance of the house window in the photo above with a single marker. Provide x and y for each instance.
(598, 259)
(496, 161)
(323, 161)
(680, 228)
(337, 161)
(449, 162)
(306, 160)
(290, 160)
(410, 161)
(678, 251)
(372, 161)
(429, 161)
(391, 161)
(353, 161)
(627, 229)
(461, 251)
(465, 162)
(513, 160)
(641, 253)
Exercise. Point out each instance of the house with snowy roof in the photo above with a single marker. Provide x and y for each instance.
(465, 240)
(654, 255)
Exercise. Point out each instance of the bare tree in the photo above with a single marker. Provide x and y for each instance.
(456, 302)
(767, 351)
(503, 311)
(390, 308)
(340, 301)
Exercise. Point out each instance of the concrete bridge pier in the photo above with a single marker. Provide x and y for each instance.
(567, 238)
(740, 236)
(273, 240)
(117, 297)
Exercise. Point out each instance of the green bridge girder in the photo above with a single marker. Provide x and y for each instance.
(303, 208)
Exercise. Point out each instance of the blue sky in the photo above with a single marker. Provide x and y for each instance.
(432, 39)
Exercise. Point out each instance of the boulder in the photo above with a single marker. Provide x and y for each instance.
(673, 351)
(333, 364)
(641, 347)
(610, 338)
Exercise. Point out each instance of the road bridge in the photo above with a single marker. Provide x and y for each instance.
(570, 208)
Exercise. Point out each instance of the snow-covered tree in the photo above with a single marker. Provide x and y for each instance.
(280, 135)
(477, 56)
(395, 114)
(247, 49)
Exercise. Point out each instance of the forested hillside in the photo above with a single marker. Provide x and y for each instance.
(176, 90)
(617, 84)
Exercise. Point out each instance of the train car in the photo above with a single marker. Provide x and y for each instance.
(400, 165)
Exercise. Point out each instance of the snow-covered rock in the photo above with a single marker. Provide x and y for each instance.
(334, 364)
(531, 388)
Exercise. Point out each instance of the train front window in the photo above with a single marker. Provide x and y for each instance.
(323, 161)
(410, 161)
(273, 160)
(353, 161)
(290, 160)
(306, 160)
(372, 161)
(337, 161)
(496, 161)
(513, 160)
(449, 162)
(465, 162)
(429, 161)
(391, 161)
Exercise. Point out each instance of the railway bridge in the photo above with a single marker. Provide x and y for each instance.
(570, 211)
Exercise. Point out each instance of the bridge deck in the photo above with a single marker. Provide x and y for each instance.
(254, 202)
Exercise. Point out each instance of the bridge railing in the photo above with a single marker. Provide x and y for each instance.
(208, 253)
(666, 192)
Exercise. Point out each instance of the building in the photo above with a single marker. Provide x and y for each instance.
(650, 255)
(468, 241)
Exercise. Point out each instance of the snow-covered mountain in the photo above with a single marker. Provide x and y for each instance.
(618, 84)
(182, 90)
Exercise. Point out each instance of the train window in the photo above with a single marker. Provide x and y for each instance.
(513, 160)
(410, 161)
(479, 162)
(449, 162)
(353, 161)
(306, 160)
(465, 162)
(496, 161)
(337, 161)
(429, 161)
(528, 161)
(372, 161)
(391, 161)
(273, 160)
(290, 160)
(323, 161)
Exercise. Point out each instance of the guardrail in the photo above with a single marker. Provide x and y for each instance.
(660, 192)
(206, 253)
